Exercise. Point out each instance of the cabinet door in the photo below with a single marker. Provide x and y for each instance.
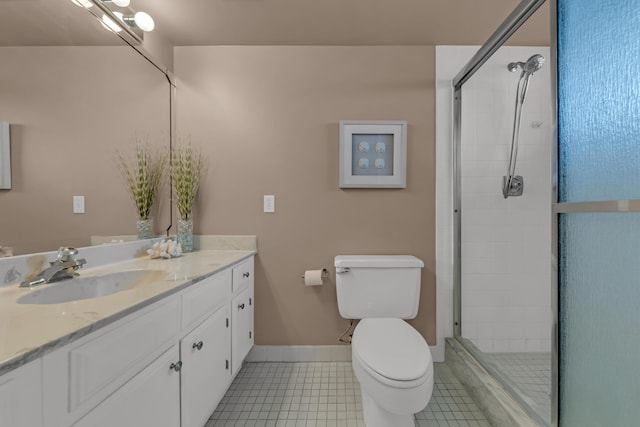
(205, 374)
(82, 374)
(151, 398)
(241, 328)
(21, 397)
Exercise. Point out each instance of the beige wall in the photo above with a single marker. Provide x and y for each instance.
(69, 108)
(267, 117)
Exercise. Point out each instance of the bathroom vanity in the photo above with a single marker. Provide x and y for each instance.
(161, 353)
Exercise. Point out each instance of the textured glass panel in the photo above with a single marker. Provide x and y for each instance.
(600, 320)
(599, 99)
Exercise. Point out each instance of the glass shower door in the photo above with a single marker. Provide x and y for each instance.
(599, 212)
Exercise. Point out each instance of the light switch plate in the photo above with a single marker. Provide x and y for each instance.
(269, 203)
(78, 204)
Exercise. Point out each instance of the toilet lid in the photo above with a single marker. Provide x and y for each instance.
(391, 348)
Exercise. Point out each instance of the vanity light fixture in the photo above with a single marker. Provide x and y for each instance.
(116, 16)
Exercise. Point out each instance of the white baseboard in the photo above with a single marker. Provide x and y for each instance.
(313, 353)
(300, 353)
(437, 353)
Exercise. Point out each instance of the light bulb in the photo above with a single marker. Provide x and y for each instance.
(82, 3)
(109, 24)
(144, 21)
(121, 3)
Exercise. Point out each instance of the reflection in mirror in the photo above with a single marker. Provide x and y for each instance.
(73, 94)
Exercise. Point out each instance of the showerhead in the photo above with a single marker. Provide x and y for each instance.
(529, 67)
(533, 64)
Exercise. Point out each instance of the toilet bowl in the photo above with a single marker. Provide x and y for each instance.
(390, 358)
(393, 364)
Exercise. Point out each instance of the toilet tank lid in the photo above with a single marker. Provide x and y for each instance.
(378, 261)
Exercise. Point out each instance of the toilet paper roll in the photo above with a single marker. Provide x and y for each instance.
(313, 277)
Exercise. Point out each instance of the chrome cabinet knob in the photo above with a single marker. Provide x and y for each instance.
(176, 366)
(198, 345)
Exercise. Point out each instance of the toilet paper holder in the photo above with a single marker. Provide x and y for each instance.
(324, 275)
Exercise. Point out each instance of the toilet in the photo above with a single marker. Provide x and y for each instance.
(390, 359)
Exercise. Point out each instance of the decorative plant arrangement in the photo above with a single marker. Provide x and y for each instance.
(187, 170)
(143, 177)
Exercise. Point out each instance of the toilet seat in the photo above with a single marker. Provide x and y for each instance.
(393, 352)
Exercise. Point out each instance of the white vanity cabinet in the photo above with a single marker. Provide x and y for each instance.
(21, 397)
(168, 364)
(241, 314)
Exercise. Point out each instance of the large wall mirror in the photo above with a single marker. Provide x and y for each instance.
(73, 93)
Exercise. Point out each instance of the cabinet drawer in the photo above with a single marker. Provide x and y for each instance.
(243, 275)
(204, 298)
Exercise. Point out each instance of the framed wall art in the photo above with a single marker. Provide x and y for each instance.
(373, 154)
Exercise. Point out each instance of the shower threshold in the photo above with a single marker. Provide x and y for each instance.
(495, 394)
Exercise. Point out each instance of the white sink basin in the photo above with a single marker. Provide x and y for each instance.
(80, 288)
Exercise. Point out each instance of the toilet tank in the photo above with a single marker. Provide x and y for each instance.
(378, 286)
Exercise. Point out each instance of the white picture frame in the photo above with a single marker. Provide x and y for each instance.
(373, 153)
(5, 157)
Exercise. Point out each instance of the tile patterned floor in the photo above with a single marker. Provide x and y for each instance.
(319, 394)
(530, 373)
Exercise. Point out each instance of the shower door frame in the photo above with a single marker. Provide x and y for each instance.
(515, 20)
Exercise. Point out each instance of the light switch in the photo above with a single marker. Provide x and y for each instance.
(269, 203)
(78, 204)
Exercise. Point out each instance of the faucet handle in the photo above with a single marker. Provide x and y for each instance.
(66, 254)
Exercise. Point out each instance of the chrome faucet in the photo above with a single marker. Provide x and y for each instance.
(63, 267)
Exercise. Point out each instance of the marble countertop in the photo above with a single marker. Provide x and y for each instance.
(28, 331)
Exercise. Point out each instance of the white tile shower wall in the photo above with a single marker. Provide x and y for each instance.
(506, 270)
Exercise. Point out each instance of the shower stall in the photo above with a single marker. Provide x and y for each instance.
(541, 260)
(505, 223)
(502, 194)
